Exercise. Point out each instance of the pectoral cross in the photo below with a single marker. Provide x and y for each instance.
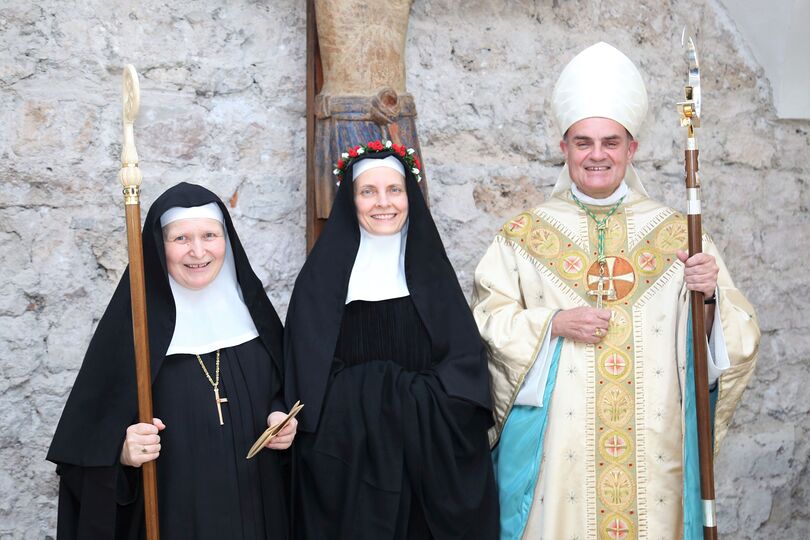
(600, 293)
(220, 401)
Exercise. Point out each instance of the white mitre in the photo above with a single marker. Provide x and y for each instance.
(600, 82)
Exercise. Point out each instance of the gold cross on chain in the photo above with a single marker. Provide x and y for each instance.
(600, 293)
(215, 385)
(219, 401)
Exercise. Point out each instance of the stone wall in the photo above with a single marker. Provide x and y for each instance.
(222, 87)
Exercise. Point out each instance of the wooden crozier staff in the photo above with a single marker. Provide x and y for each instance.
(130, 177)
(690, 119)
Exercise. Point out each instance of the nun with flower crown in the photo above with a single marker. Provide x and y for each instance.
(382, 348)
(215, 343)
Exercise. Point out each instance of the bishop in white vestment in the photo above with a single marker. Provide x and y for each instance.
(583, 302)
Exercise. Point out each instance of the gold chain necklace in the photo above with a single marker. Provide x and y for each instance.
(215, 384)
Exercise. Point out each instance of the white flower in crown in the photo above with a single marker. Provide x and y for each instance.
(415, 170)
(345, 155)
(361, 150)
(335, 172)
(411, 151)
(388, 144)
(418, 178)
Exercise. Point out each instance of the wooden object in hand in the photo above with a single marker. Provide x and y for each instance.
(690, 111)
(130, 177)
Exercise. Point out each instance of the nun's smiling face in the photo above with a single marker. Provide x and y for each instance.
(381, 200)
(195, 251)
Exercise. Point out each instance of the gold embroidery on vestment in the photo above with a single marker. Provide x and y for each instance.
(613, 402)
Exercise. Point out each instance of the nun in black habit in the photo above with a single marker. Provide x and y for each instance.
(211, 326)
(382, 348)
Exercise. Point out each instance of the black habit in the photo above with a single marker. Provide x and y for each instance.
(392, 442)
(206, 487)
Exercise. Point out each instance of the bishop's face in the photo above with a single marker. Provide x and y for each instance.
(381, 201)
(598, 151)
(195, 251)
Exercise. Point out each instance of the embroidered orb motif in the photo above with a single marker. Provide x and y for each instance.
(616, 488)
(615, 446)
(620, 327)
(519, 225)
(614, 364)
(620, 277)
(572, 265)
(616, 527)
(672, 237)
(544, 242)
(648, 261)
(615, 406)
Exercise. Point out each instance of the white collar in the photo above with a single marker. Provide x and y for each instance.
(214, 317)
(613, 198)
(379, 267)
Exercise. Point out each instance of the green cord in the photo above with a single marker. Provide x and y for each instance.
(601, 226)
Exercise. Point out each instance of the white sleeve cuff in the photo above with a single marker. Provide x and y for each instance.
(534, 385)
(718, 360)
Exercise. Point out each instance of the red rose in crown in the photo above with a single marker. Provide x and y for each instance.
(406, 155)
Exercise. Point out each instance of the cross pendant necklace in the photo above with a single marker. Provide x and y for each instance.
(600, 293)
(601, 229)
(215, 383)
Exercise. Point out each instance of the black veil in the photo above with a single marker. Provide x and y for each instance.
(103, 401)
(317, 303)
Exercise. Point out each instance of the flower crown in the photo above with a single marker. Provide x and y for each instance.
(408, 155)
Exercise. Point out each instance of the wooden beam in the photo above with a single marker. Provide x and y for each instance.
(314, 82)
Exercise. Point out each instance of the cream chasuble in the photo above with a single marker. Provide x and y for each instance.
(612, 454)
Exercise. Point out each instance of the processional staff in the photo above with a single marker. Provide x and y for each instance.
(690, 119)
(130, 177)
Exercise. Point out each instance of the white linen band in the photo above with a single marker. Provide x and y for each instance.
(390, 162)
(210, 211)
